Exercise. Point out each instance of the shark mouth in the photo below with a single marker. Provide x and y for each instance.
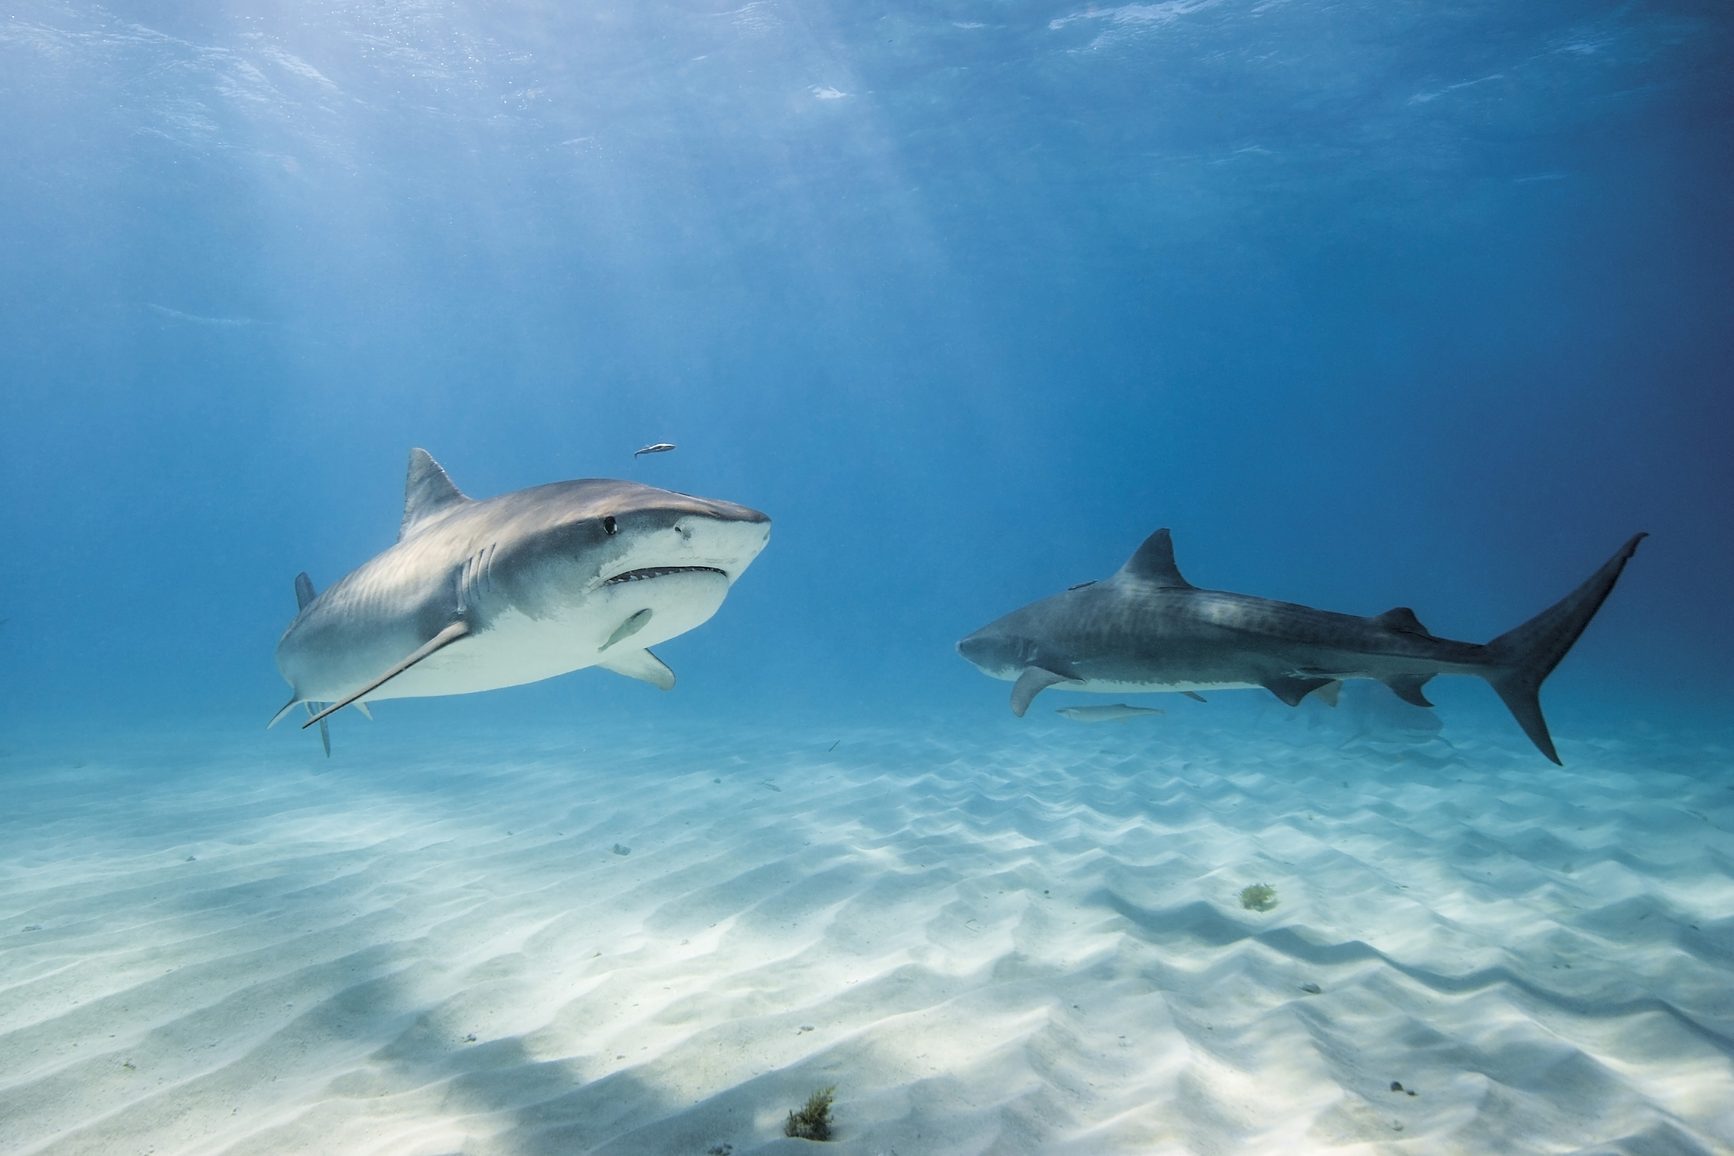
(661, 572)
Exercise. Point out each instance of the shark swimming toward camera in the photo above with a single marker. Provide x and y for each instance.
(1146, 628)
(502, 591)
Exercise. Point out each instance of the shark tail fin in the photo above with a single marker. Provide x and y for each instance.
(1518, 660)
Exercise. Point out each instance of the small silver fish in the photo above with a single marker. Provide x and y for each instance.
(654, 448)
(1118, 712)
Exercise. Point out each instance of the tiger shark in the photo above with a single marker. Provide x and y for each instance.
(1146, 628)
(480, 594)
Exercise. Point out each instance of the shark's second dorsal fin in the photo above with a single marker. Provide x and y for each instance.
(1154, 562)
(1402, 619)
(427, 493)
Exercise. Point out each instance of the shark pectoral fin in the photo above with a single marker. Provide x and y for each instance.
(433, 645)
(1030, 683)
(633, 624)
(642, 665)
(1291, 690)
(1408, 688)
(1194, 696)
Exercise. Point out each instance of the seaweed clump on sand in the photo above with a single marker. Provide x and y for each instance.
(1258, 897)
(812, 1122)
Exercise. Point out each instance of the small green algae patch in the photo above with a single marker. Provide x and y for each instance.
(813, 1122)
(1258, 897)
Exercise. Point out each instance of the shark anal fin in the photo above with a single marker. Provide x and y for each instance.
(633, 624)
(642, 665)
(1408, 688)
(1194, 696)
(1030, 683)
(1291, 690)
(433, 645)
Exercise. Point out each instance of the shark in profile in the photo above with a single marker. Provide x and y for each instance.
(502, 591)
(1148, 629)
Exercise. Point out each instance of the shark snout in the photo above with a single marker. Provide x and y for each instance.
(723, 535)
(694, 507)
(981, 651)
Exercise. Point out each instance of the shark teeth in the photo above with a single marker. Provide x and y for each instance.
(659, 572)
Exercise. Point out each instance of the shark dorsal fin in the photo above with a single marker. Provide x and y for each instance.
(1400, 618)
(1154, 562)
(427, 493)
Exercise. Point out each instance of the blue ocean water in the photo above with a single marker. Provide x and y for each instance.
(1372, 303)
(1426, 305)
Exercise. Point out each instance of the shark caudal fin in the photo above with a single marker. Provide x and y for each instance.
(1520, 659)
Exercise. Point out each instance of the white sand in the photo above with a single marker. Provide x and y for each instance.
(1028, 940)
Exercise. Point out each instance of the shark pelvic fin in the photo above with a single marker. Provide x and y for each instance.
(294, 699)
(1154, 562)
(1194, 696)
(362, 707)
(1030, 683)
(1408, 688)
(304, 592)
(433, 645)
(642, 665)
(1291, 689)
(1330, 692)
(1520, 659)
(427, 493)
(324, 730)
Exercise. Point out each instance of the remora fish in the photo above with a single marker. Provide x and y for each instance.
(483, 594)
(1148, 629)
(1118, 712)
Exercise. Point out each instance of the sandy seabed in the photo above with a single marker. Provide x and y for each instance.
(1030, 940)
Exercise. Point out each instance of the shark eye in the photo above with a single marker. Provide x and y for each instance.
(610, 526)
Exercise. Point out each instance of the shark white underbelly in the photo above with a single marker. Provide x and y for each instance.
(479, 595)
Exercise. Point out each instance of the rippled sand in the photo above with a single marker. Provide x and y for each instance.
(1030, 940)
